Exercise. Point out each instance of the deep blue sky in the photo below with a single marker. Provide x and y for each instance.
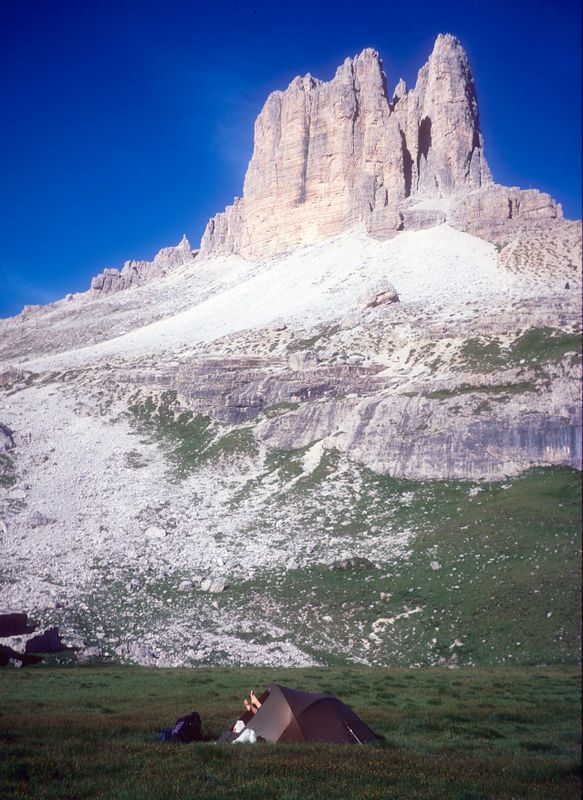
(127, 123)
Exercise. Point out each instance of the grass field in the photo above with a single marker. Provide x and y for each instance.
(491, 579)
(488, 575)
(89, 732)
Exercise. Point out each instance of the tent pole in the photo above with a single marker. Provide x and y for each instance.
(349, 729)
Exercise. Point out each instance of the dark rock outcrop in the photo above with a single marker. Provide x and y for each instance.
(47, 642)
(6, 438)
(15, 625)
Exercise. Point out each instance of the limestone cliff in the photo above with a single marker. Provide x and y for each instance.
(135, 273)
(329, 155)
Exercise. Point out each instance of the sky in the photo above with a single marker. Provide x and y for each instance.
(127, 123)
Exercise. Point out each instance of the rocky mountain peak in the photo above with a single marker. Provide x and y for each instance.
(136, 273)
(400, 91)
(447, 42)
(366, 71)
(303, 83)
(440, 119)
(330, 155)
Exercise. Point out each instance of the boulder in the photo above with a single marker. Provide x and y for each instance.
(354, 562)
(38, 520)
(303, 359)
(6, 438)
(90, 654)
(154, 532)
(138, 653)
(47, 642)
(214, 585)
(382, 293)
(15, 624)
(11, 375)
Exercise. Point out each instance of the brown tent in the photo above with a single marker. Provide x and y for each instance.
(288, 715)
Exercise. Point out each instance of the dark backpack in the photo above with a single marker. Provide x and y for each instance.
(187, 729)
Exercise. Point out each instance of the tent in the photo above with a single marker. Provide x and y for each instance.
(288, 715)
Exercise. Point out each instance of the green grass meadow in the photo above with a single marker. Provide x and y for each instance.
(90, 732)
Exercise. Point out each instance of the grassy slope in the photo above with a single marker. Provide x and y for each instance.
(538, 345)
(506, 590)
(482, 733)
(507, 587)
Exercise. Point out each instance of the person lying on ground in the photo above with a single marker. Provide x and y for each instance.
(252, 707)
(255, 703)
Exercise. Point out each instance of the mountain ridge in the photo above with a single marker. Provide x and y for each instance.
(362, 448)
(328, 155)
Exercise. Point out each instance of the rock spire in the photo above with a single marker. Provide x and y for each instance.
(330, 155)
(135, 273)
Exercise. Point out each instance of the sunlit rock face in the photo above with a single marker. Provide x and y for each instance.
(440, 126)
(328, 155)
(136, 273)
(495, 212)
(331, 155)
